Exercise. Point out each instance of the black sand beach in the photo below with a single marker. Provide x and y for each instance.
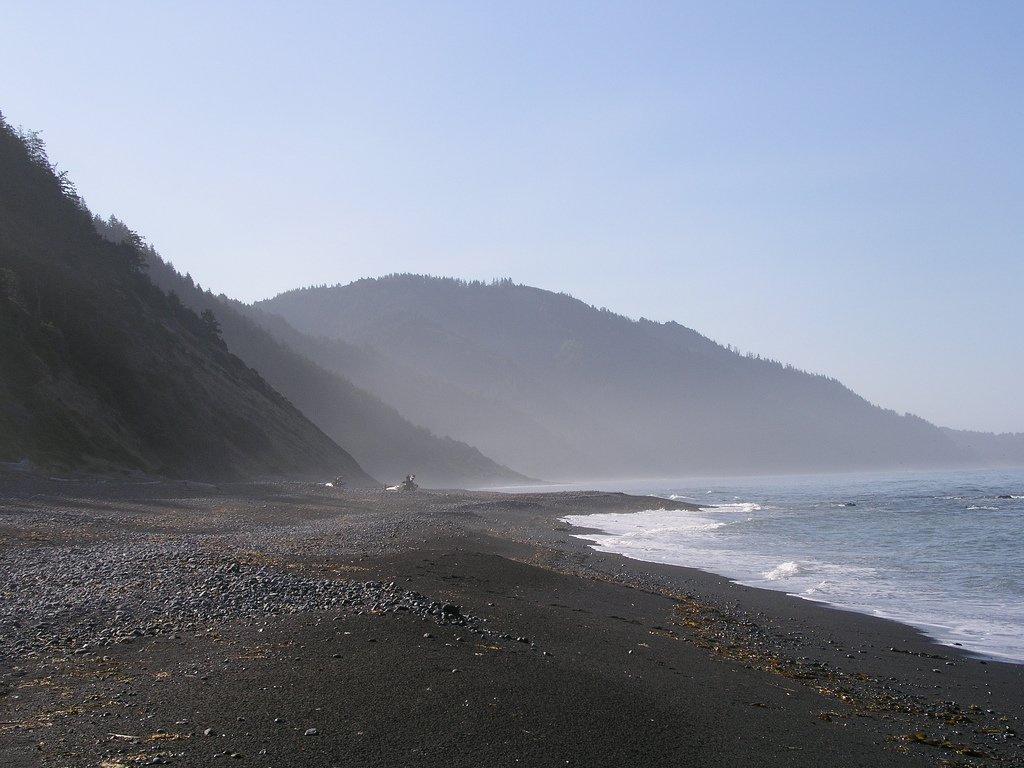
(287, 624)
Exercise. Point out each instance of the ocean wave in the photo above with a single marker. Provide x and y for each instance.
(976, 506)
(784, 571)
(644, 527)
(743, 506)
(822, 587)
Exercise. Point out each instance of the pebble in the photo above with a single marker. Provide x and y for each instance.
(82, 597)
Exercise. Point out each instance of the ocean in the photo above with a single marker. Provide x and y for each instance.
(942, 551)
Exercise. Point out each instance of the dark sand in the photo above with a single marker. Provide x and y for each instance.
(558, 655)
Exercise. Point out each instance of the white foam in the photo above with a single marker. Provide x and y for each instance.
(822, 587)
(783, 571)
(743, 506)
(650, 523)
(975, 506)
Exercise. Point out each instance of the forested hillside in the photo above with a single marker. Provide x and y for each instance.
(558, 388)
(101, 370)
(1004, 449)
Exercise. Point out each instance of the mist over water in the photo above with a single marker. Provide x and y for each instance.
(939, 550)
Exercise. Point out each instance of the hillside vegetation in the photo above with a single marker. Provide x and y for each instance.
(101, 370)
(557, 388)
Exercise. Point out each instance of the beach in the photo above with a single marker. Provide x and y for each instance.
(284, 624)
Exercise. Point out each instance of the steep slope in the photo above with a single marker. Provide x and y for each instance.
(629, 397)
(384, 442)
(439, 405)
(100, 370)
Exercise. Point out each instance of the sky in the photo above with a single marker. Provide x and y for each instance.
(836, 185)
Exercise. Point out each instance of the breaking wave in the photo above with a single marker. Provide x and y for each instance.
(743, 506)
(783, 571)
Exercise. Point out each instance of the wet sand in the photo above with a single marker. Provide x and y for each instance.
(286, 624)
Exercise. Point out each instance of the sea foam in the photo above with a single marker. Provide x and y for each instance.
(783, 571)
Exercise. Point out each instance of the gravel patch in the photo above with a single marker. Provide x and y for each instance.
(76, 599)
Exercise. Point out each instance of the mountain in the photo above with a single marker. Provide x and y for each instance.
(994, 450)
(438, 404)
(560, 389)
(101, 370)
(382, 440)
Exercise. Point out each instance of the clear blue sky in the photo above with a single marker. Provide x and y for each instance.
(840, 186)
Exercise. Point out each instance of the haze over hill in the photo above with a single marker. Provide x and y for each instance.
(100, 370)
(559, 389)
(383, 442)
(108, 367)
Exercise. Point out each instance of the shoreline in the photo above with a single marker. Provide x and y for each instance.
(565, 653)
(920, 627)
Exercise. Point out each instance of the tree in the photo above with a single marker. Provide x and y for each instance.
(210, 321)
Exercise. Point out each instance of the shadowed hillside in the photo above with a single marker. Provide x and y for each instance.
(384, 442)
(100, 370)
(563, 389)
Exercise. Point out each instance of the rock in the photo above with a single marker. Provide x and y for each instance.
(310, 732)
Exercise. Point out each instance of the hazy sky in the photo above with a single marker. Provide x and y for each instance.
(838, 185)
